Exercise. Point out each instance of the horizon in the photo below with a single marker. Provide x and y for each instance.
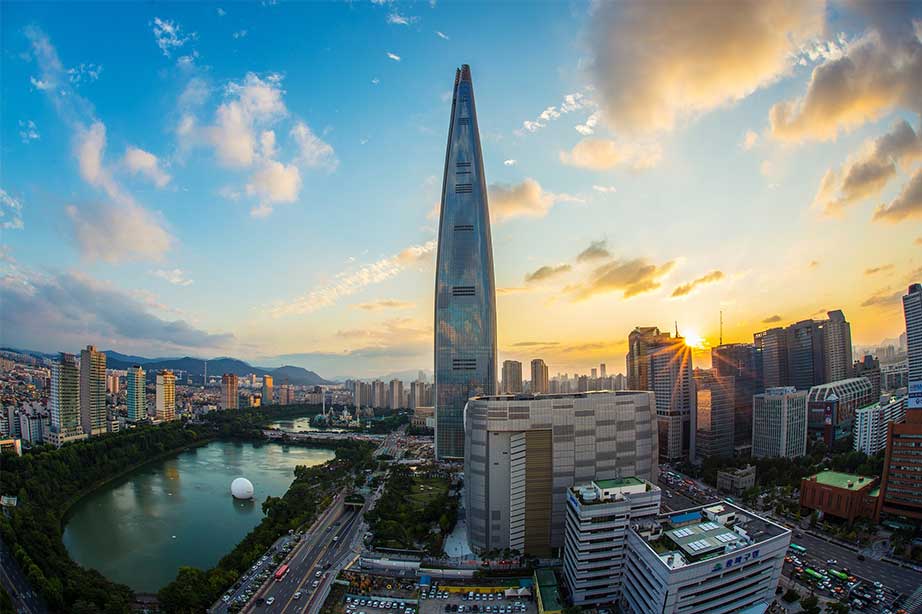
(210, 179)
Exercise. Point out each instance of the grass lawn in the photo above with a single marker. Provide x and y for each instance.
(425, 490)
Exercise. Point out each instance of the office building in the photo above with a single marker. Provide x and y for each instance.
(267, 395)
(523, 452)
(714, 419)
(230, 398)
(742, 362)
(136, 387)
(166, 395)
(806, 354)
(539, 377)
(772, 345)
(599, 515)
(779, 423)
(843, 495)
(465, 294)
(92, 391)
(717, 559)
(512, 377)
(736, 481)
(873, 422)
(602, 372)
(286, 394)
(869, 367)
(64, 402)
(837, 347)
(912, 311)
(395, 394)
(831, 408)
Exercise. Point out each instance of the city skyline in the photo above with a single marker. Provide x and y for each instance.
(741, 199)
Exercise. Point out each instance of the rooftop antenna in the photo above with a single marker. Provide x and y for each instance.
(721, 327)
(676, 328)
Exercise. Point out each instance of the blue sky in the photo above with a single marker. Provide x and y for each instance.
(259, 180)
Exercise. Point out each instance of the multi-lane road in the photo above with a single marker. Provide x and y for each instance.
(25, 600)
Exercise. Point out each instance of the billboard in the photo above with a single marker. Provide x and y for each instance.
(915, 396)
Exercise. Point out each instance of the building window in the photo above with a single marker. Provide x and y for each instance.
(462, 291)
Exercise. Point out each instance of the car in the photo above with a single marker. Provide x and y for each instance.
(878, 585)
(860, 557)
(318, 574)
(270, 600)
(297, 595)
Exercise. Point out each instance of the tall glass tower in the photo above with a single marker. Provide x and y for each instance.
(465, 295)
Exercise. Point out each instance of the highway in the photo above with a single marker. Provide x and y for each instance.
(25, 600)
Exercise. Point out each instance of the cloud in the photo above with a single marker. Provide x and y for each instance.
(597, 250)
(907, 205)
(749, 140)
(708, 278)
(272, 183)
(221, 12)
(525, 199)
(772, 319)
(84, 73)
(39, 84)
(510, 162)
(588, 127)
(113, 233)
(605, 189)
(28, 131)
(442, 35)
(66, 309)
(169, 35)
(878, 269)
(657, 62)
(571, 102)
(869, 171)
(140, 161)
(396, 18)
(512, 290)
(239, 34)
(884, 299)
(605, 154)
(313, 152)
(918, 241)
(177, 277)
(630, 277)
(813, 264)
(349, 282)
(879, 72)
(10, 212)
(547, 272)
(385, 304)
(393, 56)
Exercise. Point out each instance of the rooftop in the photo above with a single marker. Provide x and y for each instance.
(547, 586)
(619, 482)
(555, 395)
(838, 479)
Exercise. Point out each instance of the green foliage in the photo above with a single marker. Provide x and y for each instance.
(810, 604)
(791, 595)
(6, 602)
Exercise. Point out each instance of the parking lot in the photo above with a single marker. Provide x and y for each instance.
(441, 600)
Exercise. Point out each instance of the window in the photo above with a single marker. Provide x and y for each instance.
(464, 364)
(464, 227)
(464, 121)
(464, 188)
(462, 291)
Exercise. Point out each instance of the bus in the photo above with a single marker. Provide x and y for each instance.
(835, 573)
(814, 574)
(798, 549)
(281, 572)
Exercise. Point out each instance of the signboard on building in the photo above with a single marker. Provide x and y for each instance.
(915, 395)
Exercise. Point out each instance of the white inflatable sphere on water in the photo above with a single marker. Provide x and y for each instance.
(242, 488)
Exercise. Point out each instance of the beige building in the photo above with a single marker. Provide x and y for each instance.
(229, 391)
(166, 395)
(512, 377)
(92, 391)
(267, 390)
(539, 379)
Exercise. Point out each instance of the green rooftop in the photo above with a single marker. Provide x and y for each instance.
(618, 482)
(837, 479)
(547, 589)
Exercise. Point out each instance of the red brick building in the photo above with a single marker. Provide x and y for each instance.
(841, 495)
(901, 487)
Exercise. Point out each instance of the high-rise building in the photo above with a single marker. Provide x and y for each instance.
(869, 367)
(112, 383)
(779, 423)
(286, 394)
(93, 391)
(831, 408)
(166, 395)
(378, 394)
(873, 422)
(395, 394)
(602, 373)
(912, 311)
(136, 386)
(229, 395)
(599, 515)
(519, 462)
(772, 345)
(837, 347)
(539, 377)
(714, 423)
(512, 377)
(64, 402)
(465, 294)
(742, 362)
(267, 390)
(806, 354)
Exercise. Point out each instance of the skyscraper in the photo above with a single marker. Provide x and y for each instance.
(137, 394)
(602, 372)
(395, 394)
(912, 311)
(806, 354)
(837, 347)
(229, 399)
(93, 391)
(714, 424)
(166, 395)
(742, 362)
(772, 343)
(512, 377)
(465, 295)
(779, 423)
(539, 381)
(267, 390)
(65, 401)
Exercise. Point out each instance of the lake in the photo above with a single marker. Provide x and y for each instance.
(139, 529)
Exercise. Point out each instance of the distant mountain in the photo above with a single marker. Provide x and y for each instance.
(409, 375)
(218, 366)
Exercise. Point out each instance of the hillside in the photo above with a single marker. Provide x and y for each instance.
(196, 367)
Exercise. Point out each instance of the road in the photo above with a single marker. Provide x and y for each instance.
(25, 600)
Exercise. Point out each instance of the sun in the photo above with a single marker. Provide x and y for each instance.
(694, 340)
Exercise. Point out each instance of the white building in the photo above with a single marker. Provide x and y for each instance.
(912, 309)
(599, 515)
(872, 422)
(93, 391)
(708, 560)
(64, 402)
(779, 423)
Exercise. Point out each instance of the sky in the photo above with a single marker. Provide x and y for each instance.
(262, 180)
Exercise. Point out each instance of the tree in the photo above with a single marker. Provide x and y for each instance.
(791, 595)
(810, 604)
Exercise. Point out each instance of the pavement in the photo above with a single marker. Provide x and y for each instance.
(25, 600)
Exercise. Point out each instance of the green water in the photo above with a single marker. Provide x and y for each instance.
(140, 529)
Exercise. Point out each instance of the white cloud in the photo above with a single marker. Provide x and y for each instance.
(249, 104)
(113, 233)
(396, 18)
(375, 81)
(347, 283)
(393, 56)
(143, 162)
(442, 35)
(525, 199)
(84, 73)
(749, 140)
(40, 84)
(510, 162)
(267, 143)
(169, 35)
(588, 127)
(28, 131)
(239, 34)
(313, 152)
(604, 154)
(10, 212)
(604, 189)
(274, 183)
(571, 102)
(221, 12)
(177, 277)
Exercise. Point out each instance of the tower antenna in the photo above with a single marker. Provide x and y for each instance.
(676, 328)
(721, 342)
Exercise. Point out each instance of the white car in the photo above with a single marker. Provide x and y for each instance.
(270, 600)
(297, 595)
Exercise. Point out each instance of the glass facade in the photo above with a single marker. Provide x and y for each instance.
(465, 296)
